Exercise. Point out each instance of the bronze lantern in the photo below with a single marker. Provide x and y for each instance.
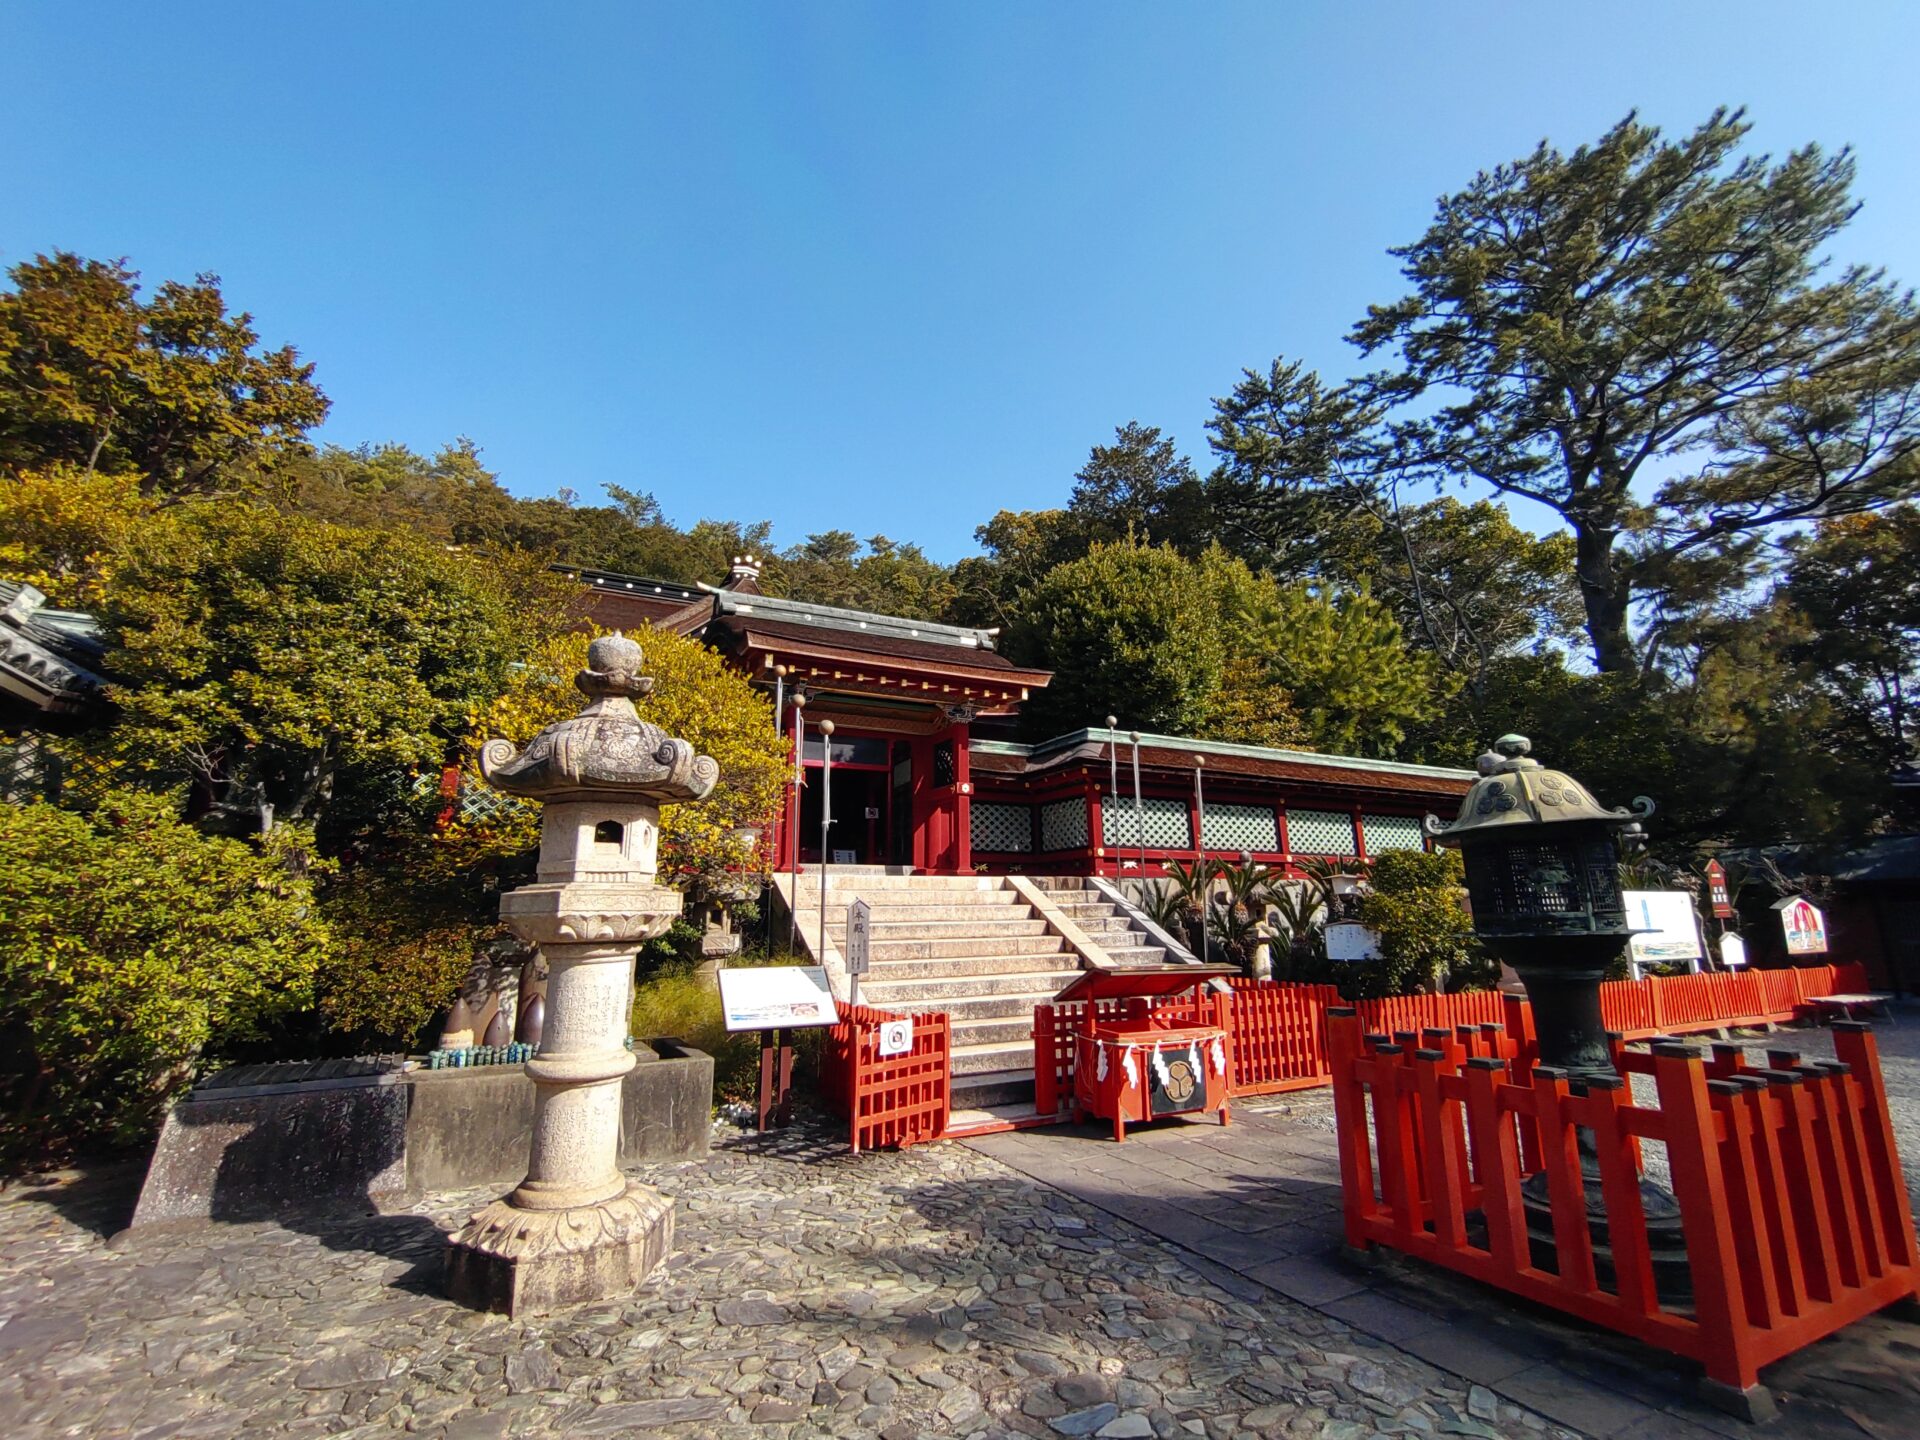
(1543, 877)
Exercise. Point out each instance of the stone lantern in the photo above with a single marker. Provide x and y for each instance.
(1543, 877)
(576, 1229)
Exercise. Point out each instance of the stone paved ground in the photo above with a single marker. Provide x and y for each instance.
(810, 1292)
(1262, 1199)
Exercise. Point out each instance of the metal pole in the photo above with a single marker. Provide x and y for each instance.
(780, 730)
(1113, 782)
(793, 815)
(826, 818)
(1139, 812)
(1200, 854)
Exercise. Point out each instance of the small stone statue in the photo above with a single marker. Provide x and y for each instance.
(576, 1229)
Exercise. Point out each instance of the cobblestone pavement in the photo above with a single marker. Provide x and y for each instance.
(810, 1292)
(1262, 1198)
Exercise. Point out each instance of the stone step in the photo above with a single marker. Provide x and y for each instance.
(993, 937)
(949, 967)
(921, 914)
(839, 879)
(1137, 955)
(994, 1055)
(991, 1029)
(886, 900)
(993, 1087)
(930, 994)
(960, 947)
(1011, 1005)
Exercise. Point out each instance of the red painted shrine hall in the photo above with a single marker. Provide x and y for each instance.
(925, 774)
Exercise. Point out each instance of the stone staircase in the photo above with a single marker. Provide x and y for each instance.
(973, 946)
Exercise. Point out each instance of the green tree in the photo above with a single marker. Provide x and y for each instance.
(1129, 630)
(1022, 547)
(889, 579)
(1142, 486)
(276, 655)
(173, 389)
(1856, 584)
(1640, 336)
(1342, 658)
(1426, 938)
(131, 945)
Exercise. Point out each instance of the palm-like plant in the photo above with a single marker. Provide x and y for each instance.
(1190, 881)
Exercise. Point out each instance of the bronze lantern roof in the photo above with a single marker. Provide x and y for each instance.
(1515, 790)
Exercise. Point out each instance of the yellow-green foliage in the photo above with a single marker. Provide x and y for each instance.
(131, 944)
(685, 1005)
(696, 697)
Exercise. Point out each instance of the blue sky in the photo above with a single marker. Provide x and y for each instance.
(885, 268)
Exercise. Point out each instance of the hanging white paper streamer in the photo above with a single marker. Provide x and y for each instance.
(1219, 1056)
(1160, 1067)
(1195, 1067)
(1100, 1070)
(1126, 1064)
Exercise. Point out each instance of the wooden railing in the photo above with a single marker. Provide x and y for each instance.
(1793, 1209)
(889, 1100)
(1279, 1028)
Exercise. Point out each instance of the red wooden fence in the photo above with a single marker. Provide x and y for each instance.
(1794, 1211)
(1279, 1028)
(891, 1100)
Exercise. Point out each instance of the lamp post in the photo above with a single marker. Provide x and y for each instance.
(793, 812)
(1543, 875)
(1139, 811)
(1200, 854)
(826, 819)
(1113, 783)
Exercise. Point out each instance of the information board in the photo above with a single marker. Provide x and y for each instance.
(1349, 940)
(776, 997)
(1672, 931)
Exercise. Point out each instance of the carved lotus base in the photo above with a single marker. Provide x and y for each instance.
(525, 1262)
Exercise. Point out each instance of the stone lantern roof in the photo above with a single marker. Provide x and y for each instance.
(1516, 790)
(607, 750)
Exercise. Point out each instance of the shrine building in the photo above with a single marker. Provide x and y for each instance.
(927, 778)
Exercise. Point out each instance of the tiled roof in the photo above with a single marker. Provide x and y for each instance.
(1169, 752)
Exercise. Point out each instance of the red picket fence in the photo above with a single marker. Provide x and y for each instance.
(1793, 1209)
(1279, 1028)
(891, 1100)
(1672, 1004)
(1279, 1036)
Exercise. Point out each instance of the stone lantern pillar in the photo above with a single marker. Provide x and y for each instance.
(576, 1229)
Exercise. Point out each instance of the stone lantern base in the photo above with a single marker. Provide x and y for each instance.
(525, 1262)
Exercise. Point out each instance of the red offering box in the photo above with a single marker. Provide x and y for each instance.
(1165, 1009)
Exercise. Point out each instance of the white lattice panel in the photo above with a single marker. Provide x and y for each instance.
(1319, 832)
(1240, 827)
(1168, 824)
(1063, 825)
(1001, 829)
(1392, 832)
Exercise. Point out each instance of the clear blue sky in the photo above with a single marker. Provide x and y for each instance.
(881, 267)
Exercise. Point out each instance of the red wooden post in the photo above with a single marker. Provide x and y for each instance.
(1046, 1085)
(1619, 1157)
(1350, 1119)
(1698, 1185)
(1497, 1164)
(1854, 1043)
(1445, 1146)
(1753, 1209)
(1560, 1160)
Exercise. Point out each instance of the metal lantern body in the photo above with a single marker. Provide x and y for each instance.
(1544, 881)
(1543, 877)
